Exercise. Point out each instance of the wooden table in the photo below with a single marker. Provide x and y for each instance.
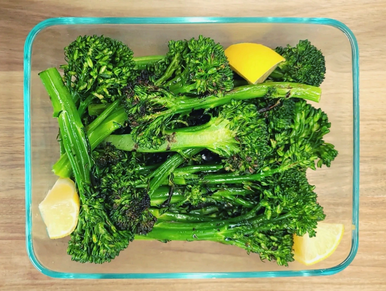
(367, 21)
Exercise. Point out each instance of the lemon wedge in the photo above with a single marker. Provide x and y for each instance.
(252, 61)
(60, 209)
(310, 251)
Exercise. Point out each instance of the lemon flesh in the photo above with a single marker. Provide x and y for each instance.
(60, 209)
(310, 251)
(252, 61)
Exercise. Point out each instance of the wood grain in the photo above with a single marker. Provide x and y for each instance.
(366, 20)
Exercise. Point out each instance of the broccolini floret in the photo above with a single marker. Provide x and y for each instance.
(196, 66)
(97, 69)
(304, 63)
(95, 238)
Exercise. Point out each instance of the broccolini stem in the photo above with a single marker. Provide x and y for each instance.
(228, 178)
(96, 109)
(162, 193)
(162, 215)
(235, 221)
(217, 137)
(71, 127)
(83, 105)
(231, 195)
(277, 74)
(182, 104)
(216, 230)
(162, 172)
(169, 71)
(97, 121)
(207, 210)
(115, 120)
(267, 89)
(239, 82)
(142, 62)
(197, 168)
(159, 201)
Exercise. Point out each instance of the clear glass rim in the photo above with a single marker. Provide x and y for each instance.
(190, 20)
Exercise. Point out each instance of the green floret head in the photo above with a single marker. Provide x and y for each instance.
(289, 195)
(117, 173)
(98, 66)
(127, 210)
(270, 245)
(209, 67)
(108, 156)
(95, 239)
(297, 131)
(304, 63)
(146, 222)
(250, 135)
(197, 66)
(144, 106)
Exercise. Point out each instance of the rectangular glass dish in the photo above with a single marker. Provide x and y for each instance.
(337, 187)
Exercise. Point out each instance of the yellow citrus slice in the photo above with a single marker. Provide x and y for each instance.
(310, 251)
(252, 61)
(60, 209)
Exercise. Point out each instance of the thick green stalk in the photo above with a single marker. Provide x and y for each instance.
(71, 127)
(142, 62)
(182, 104)
(164, 171)
(277, 74)
(178, 217)
(228, 178)
(271, 89)
(235, 221)
(231, 194)
(115, 120)
(83, 105)
(206, 210)
(96, 109)
(222, 232)
(197, 168)
(224, 179)
(101, 117)
(216, 230)
(217, 137)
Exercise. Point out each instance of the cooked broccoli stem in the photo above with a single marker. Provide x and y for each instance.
(95, 134)
(287, 205)
(141, 63)
(95, 238)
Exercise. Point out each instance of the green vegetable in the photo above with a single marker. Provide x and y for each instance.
(97, 69)
(304, 63)
(287, 135)
(286, 205)
(238, 132)
(196, 66)
(169, 149)
(151, 110)
(95, 238)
